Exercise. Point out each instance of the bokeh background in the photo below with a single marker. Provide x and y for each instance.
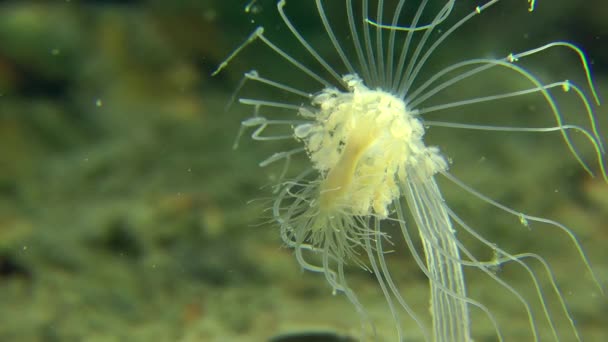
(125, 214)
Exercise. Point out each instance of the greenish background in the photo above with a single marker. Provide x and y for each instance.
(125, 215)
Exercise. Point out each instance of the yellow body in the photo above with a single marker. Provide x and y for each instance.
(340, 177)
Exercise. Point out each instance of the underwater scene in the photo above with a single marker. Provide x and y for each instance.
(303, 170)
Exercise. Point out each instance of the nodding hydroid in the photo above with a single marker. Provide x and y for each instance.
(362, 133)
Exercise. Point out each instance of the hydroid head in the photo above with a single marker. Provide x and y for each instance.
(361, 143)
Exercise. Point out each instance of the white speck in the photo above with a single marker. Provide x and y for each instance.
(210, 15)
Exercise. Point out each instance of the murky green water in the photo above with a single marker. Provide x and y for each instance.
(125, 215)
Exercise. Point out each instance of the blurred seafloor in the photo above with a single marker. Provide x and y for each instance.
(125, 215)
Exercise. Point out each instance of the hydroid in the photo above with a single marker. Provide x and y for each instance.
(362, 133)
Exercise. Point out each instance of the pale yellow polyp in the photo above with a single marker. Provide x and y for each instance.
(362, 142)
(371, 177)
